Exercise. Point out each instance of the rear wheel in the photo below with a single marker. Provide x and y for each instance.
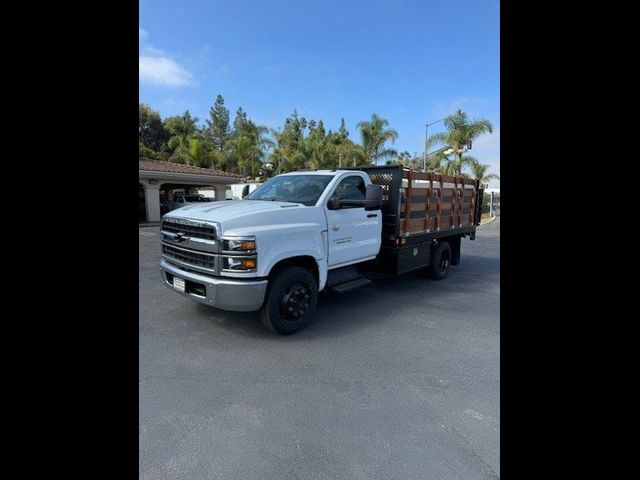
(440, 261)
(290, 301)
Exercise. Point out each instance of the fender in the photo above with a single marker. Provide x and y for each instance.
(279, 242)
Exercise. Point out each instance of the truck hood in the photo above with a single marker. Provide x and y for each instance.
(248, 214)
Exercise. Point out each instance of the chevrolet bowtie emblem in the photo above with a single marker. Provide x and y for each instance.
(181, 237)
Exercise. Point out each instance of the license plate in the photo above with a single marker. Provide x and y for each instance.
(178, 283)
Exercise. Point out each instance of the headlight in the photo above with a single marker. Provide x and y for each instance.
(239, 254)
(240, 264)
(247, 245)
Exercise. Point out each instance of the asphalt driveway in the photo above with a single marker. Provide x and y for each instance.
(396, 380)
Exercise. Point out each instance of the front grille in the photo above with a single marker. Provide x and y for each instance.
(189, 257)
(208, 232)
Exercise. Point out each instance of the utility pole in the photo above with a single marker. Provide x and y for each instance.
(426, 136)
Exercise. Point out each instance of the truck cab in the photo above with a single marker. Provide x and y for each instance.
(275, 250)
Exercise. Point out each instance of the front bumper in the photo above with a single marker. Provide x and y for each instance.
(235, 295)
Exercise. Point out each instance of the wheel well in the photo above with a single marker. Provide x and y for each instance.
(454, 243)
(305, 261)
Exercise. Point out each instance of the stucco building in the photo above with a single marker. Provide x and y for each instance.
(158, 180)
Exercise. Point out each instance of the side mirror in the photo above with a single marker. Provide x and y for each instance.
(373, 199)
(245, 191)
(334, 203)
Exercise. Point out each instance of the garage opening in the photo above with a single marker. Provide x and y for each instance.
(170, 191)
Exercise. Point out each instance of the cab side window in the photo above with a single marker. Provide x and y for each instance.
(351, 188)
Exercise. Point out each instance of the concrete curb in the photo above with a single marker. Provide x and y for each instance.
(487, 223)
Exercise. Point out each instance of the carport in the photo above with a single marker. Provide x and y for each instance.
(158, 178)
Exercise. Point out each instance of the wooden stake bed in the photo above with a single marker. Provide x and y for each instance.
(418, 203)
(436, 202)
(419, 210)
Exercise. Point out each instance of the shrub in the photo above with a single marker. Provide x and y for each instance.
(486, 199)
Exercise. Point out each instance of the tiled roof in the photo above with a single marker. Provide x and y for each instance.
(146, 165)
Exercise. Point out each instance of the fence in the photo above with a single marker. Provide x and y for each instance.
(491, 203)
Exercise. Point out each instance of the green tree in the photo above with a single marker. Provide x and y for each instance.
(375, 134)
(351, 154)
(246, 146)
(344, 133)
(291, 150)
(151, 132)
(244, 154)
(479, 171)
(146, 152)
(240, 120)
(218, 125)
(288, 152)
(296, 126)
(183, 128)
(201, 153)
(407, 160)
(447, 163)
(460, 133)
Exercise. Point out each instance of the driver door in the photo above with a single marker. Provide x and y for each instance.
(354, 233)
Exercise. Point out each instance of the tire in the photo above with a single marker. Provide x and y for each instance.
(290, 301)
(441, 261)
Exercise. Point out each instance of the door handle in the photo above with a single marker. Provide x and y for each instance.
(372, 215)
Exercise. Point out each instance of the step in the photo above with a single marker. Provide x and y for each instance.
(350, 285)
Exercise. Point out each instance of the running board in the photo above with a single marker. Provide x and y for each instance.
(350, 285)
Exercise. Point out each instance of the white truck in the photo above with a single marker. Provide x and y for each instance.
(304, 232)
(238, 191)
(181, 199)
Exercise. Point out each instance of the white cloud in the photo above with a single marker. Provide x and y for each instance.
(162, 71)
(156, 67)
(151, 51)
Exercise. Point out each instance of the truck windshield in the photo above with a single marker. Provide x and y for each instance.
(305, 189)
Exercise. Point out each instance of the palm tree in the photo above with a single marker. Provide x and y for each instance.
(352, 154)
(375, 135)
(243, 151)
(460, 133)
(284, 152)
(446, 164)
(200, 153)
(181, 128)
(479, 172)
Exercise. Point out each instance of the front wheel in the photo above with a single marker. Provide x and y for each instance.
(440, 261)
(290, 301)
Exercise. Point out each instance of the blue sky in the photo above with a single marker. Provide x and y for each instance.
(411, 62)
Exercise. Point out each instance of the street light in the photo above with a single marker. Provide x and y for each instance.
(426, 136)
(455, 150)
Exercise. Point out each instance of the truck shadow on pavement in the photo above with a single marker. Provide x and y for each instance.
(379, 304)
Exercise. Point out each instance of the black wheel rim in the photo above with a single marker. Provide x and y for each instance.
(444, 262)
(295, 303)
